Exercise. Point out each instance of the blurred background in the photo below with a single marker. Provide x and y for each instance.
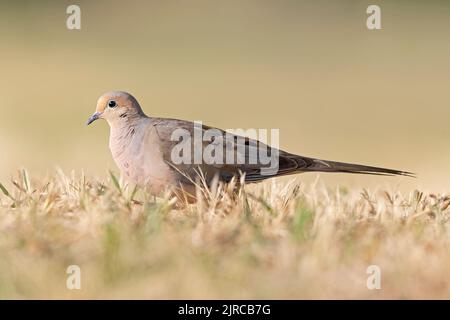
(312, 69)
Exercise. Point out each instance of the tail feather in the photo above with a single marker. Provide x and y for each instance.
(292, 164)
(333, 166)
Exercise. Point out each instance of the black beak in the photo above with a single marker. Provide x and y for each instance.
(94, 117)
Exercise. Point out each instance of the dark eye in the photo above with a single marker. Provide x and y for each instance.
(112, 104)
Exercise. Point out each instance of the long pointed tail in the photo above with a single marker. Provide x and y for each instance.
(333, 166)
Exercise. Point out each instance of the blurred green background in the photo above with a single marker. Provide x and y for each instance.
(335, 89)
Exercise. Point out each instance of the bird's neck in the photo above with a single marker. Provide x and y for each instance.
(126, 122)
(122, 130)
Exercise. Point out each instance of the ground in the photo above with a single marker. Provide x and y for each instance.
(282, 240)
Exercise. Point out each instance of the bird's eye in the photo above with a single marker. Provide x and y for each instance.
(112, 104)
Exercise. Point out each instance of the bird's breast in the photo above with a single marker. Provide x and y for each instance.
(137, 154)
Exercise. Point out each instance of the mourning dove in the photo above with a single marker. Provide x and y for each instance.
(143, 146)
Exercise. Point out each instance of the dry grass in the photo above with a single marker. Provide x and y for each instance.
(271, 241)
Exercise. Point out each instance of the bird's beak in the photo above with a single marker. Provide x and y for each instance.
(92, 118)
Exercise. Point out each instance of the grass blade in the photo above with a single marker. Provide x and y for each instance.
(115, 182)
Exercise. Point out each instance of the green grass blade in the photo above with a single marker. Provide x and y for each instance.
(115, 182)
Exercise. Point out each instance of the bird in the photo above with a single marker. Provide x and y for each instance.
(143, 149)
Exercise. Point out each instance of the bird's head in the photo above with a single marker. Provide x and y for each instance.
(116, 106)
